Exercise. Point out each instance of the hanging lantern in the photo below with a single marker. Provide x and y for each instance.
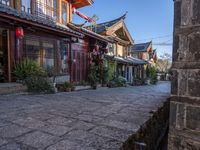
(19, 32)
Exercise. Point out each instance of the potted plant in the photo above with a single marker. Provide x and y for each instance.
(72, 85)
(67, 87)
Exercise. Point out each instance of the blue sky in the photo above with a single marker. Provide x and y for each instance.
(146, 19)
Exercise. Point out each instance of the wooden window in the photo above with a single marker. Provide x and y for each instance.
(48, 54)
(5, 2)
(32, 47)
(40, 51)
(64, 57)
(64, 12)
(46, 9)
(26, 6)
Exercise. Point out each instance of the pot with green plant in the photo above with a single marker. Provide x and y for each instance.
(92, 77)
(67, 87)
(73, 86)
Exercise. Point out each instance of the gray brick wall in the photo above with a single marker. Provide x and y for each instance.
(184, 133)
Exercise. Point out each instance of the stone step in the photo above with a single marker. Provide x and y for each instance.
(11, 88)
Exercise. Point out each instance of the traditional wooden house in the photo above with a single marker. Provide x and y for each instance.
(118, 32)
(82, 52)
(118, 59)
(38, 29)
(144, 51)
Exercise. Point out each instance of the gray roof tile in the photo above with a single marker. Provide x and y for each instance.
(47, 22)
(142, 47)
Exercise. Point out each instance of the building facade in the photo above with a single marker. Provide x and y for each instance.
(118, 60)
(38, 29)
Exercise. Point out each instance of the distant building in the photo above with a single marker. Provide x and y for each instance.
(118, 59)
(144, 51)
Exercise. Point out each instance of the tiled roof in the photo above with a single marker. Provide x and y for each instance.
(90, 33)
(32, 18)
(99, 28)
(128, 60)
(142, 47)
(136, 61)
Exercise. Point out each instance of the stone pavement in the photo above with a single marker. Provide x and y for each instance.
(99, 119)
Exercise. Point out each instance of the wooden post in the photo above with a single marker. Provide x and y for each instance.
(70, 60)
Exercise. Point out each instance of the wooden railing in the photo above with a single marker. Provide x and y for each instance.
(42, 10)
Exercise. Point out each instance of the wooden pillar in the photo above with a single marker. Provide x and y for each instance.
(70, 60)
(17, 4)
(59, 11)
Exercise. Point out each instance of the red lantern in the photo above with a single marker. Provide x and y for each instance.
(19, 32)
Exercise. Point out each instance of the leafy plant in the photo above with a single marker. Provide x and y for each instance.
(38, 84)
(27, 68)
(92, 77)
(120, 81)
(117, 82)
(105, 78)
(67, 85)
(151, 74)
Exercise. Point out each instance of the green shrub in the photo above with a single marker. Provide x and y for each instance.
(120, 81)
(38, 84)
(27, 68)
(105, 78)
(117, 82)
(151, 73)
(92, 77)
(67, 85)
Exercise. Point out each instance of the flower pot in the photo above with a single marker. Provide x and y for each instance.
(73, 88)
(68, 90)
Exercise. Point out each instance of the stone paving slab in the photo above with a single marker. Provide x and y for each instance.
(101, 119)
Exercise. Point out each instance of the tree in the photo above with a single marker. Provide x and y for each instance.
(164, 63)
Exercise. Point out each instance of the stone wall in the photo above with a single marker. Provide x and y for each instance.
(184, 131)
(151, 135)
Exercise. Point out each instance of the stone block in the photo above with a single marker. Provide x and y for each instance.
(196, 12)
(194, 46)
(186, 13)
(2, 141)
(194, 83)
(182, 82)
(193, 118)
(12, 131)
(177, 13)
(29, 122)
(180, 116)
(56, 130)
(16, 146)
(113, 133)
(175, 47)
(68, 145)
(37, 139)
(173, 109)
(174, 83)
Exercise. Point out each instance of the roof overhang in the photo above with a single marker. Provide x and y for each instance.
(81, 3)
(90, 34)
(15, 19)
(111, 30)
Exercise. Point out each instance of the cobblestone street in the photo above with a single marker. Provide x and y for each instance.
(99, 119)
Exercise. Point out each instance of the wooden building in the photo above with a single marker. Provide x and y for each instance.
(118, 59)
(118, 32)
(144, 51)
(38, 29)
(82, 50)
